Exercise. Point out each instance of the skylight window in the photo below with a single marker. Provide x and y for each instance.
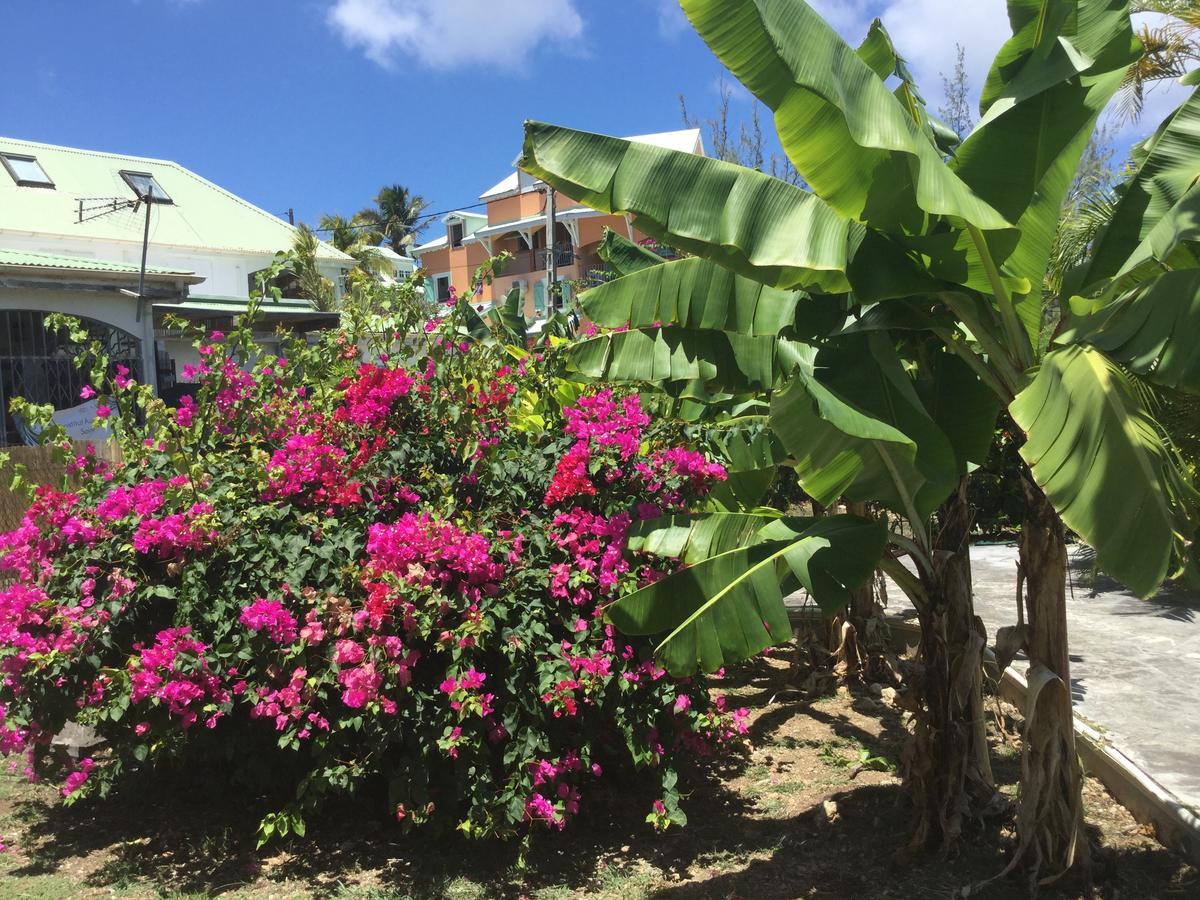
(146, 187)
(26, 171)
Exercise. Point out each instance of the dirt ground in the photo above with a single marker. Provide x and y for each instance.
(814, 809)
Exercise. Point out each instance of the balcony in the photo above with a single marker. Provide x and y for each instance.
(527, 261)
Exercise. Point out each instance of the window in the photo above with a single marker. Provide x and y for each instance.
(146, 187)
(456, 234)
(443, 287)
(26, 171)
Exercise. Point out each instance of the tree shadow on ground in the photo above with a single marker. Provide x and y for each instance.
(837, 839)
(1174, 600)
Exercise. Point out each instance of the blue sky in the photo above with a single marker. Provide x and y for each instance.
(314, 104)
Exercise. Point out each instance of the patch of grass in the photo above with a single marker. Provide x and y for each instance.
(757, 772)
(785, 787)
(556, 892)
(834, 755)
(624, 882)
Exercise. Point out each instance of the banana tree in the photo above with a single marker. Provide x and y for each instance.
(935, 264)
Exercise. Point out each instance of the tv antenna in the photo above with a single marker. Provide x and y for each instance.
(98, 207)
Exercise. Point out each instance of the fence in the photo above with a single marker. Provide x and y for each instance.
(41, 468)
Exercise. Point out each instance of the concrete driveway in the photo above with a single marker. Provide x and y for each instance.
(1135, 664)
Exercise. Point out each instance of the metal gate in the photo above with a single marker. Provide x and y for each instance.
(40, 366)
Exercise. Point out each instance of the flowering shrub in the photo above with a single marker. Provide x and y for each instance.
(376, 563)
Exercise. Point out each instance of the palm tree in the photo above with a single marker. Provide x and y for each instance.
(1169, 48)
(395, 217)
(357, 239)
(320, 291)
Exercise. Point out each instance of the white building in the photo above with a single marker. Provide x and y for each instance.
(71, 241)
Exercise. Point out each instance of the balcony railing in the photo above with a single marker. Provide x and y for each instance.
(538, 260)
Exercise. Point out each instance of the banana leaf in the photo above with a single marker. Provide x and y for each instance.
(693, 293)
(1153, 331)
(1168, 166)
(851, 139)
(750, 223)
(624, 256)
(728, 604)
(1044, 93)
(724, 362)
(1104, 463)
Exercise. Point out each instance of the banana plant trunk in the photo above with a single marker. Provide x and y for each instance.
(1050, 814)
(948, 764)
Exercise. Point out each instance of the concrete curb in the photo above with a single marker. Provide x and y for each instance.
(1175, 825)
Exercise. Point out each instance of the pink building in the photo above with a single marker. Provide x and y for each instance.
(515, 220)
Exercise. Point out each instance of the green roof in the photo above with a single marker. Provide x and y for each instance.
(200, 303)
(26, 260)
(202, 215)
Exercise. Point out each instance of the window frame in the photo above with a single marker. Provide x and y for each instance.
(455, 243)
(126, 174)
(24, 182)
(437, 287)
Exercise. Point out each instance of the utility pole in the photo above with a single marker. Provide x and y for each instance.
(149, 198)
(551, 252)
(291, 216)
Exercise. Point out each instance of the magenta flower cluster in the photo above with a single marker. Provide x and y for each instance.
(382, 572)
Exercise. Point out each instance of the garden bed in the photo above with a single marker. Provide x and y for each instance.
(796, 817)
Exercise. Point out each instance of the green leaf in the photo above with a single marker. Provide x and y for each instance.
(624, 256)
(694, 539)
(1103, 463)
(694, 293)
(881, 56)
(1168, 167)
(1154, 330)
(511, 316)
(721, 360)
(750, 223)
(962, 406)
(860, 430)
(853, 142)
(729, 606)
(1045, 91)
(839, 450)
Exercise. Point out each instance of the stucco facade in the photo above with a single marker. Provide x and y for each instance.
(514, 220)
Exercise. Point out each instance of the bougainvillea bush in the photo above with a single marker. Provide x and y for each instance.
(379, 563)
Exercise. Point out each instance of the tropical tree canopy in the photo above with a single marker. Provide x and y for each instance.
(889, 312)
(395, 219)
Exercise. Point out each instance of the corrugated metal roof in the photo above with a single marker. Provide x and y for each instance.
(213, 303)
(202, 216)
(27, 260)
(538, 221)
(289, 310)
(435, 244)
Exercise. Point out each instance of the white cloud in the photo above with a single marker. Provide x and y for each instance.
(671, 20)
(447, 34)
(849, 18)
(926, 31)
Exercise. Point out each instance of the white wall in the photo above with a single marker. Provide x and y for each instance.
(225, 274)
(111, 308)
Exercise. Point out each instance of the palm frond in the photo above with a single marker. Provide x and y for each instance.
(1170, 49)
